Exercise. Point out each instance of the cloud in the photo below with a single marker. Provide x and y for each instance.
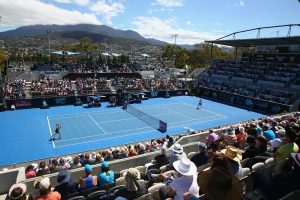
(106, 10)
(170, 3)
(19, 13)
(241, 3)
(77, 2)
(153, 27)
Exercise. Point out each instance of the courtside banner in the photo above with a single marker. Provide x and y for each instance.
(26, 103)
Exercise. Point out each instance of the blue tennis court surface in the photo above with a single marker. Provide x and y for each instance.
(25, 133)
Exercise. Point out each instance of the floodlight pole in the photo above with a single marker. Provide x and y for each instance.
(48, 35)
(174, 58)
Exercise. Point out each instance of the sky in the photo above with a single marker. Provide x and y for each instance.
(194, 21)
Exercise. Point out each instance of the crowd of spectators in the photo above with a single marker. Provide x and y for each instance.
(224, 149)
(92, 85)
(46, 86)
(15, 89)
(127, 83)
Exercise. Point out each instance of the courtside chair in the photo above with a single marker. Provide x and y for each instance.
(269, 162)
(257, 166)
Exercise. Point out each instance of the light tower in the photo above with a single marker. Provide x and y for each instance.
(174, 56)
(48, 35)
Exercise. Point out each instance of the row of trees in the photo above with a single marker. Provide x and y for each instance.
(200, 56)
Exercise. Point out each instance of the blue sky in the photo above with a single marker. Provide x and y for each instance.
(193, 20)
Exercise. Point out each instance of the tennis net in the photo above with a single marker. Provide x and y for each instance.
(148, 119)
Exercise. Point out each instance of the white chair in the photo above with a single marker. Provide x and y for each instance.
(191, 154)
(269, 162)
(258, 166)
(246, 172)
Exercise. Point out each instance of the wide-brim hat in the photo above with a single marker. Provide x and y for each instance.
(17, 185)
(185, 167)
(217, 183)
(64, 176)
(232, 153)
(177, 148)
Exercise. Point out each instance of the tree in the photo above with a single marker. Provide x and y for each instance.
(3, 62)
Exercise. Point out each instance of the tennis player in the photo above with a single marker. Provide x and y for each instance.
(57, 130)
(199, 104)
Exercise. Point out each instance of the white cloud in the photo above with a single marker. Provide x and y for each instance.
(19, 13)
(170, 3)
(154, 27)
(188, 22)
(106, 10)
(77, 2)
(241, 3)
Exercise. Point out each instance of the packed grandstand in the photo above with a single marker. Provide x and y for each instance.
(225, 162)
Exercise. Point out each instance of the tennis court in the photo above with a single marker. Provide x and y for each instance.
(26, 133)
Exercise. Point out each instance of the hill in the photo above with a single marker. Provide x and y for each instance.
(66, 30)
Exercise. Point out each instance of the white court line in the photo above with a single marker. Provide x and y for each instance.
(97, 124)
(130, 134)
(180, 114)
(196, 121)
(50, 132)
(207, 111)
(146, 127)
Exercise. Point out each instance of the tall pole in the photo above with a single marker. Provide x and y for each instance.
(48, 34)
(174, 56)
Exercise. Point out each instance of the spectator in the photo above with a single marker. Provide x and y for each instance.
(201, 157)
(287, 148)
(218, 182)
(76, 163)
(176, 153)
(133, 189)
(276, 143)
(142, 149)
(184, 181)
(161, 159)
(170, 141)
(54, 167)
(229, 138)
(212, 137)
(98, 159)
(106, 176)
(65, 184)
(268, 133)
(88, 181)
(252, 150)
(18, 192)
(234, 158)
(45, 191)
(252, 130)
(241, 137)
(30, 172)
(43, 169)
(36, 187)
(262, 144)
